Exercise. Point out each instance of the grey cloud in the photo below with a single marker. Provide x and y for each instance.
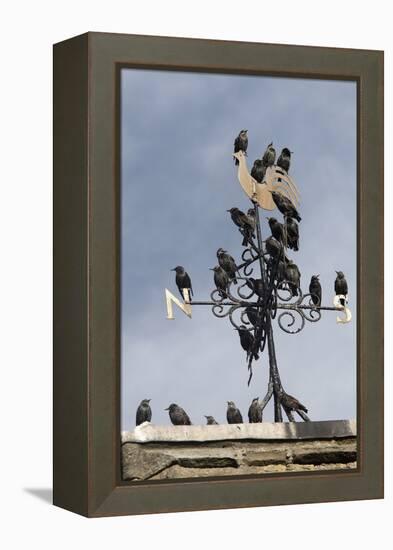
(178, 178)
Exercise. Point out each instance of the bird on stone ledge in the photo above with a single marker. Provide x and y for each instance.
(178, 416)
(210, 420)
(255, 411)
(234, 416)
(143, 412)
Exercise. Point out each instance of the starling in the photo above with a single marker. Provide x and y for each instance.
(280, 273)
(178, 416)
(258, 171)
(292, 229)
(221, 280)
(252, 315)
(269, 156)
(234, 416)
(255, 412)
(285, 205)
(278, 230)
(227, 263)
(210, 420)
(183, 281)
(251, 217)
(284, 160)
(256, 286)
(274, 248)
(341, 286)
(291, 403)
(247, 342)
(315, 290)
(241, 144)
(143, 412)
(244, 222)
(292, 276)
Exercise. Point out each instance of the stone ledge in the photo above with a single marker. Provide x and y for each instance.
(185, 458)
(329, 429)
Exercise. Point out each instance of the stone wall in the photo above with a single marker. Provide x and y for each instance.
(170, 452)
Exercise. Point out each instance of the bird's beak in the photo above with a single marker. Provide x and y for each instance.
(318, 275)
(228, 210)
(148, 400)
(337, 272)
(167, 409)
(174, 269)
(211, 269)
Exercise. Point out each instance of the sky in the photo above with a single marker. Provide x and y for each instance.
(177, 180)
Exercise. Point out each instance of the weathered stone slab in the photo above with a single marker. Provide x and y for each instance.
(207, 462)
(265, 458)
(330, 429)
(325, 457)
(177, 472)
(139, 464)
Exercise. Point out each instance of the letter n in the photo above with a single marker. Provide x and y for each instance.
(171, 299)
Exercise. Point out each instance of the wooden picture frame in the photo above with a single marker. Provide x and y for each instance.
(86, 273)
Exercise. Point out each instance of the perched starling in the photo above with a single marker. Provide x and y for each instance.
(278, 230)
(285, 205)
(255, 411)
(252, 223)
(269, 156)
(183, 281)
(274, 248)
(280, 271)
(292, 233)
(252, 315)
(315, 290)
(256, 286)
(251, 218)
(292, 276)
(284, 160)
(244, 222)
(247, 342)
(227, 263)
(221, 280)
(341, 286)
(178, 416)
(210, 420)
(258, 170)
(143, 412)
(234, 416)
(241, 143)
(291, 403)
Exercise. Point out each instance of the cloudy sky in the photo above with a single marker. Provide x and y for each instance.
(178, 179)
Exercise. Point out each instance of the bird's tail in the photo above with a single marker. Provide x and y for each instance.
(299, 219)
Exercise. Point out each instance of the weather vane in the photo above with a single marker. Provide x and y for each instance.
(252, 303)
